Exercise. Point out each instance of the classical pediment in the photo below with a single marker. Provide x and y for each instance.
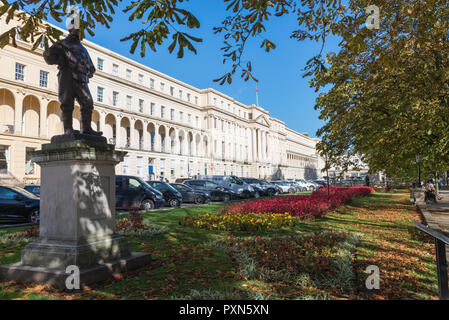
(262, 120)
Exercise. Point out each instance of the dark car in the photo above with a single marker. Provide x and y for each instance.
(263, 187)
(216, 192)
(191, 195)
(34, 189)
(132, 192)
(172, 196)
(17, 205)
(182, 180)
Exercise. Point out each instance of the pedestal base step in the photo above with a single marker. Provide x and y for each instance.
(57, 278)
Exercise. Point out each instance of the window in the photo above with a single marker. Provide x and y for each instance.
(152, 83)
(180, 94)
(222, 104)
(115, 69)
(128, 102)
(43, 79)
(172, 114)
(162, 87)
(100, 63)
(100, 91)
(190, 118)
(215, 123)
(162, 167)
(181, 169)
(140, 105)
(20, 72)
(141, 78)
(196, 100)
(4, 159)
(139, 166)
(162, 111)
(29, 164)
(222, 125)
(215, 101)
(188, 97)
(126, 165)
(172, 91)
(181, 116)
(42, 44)
(152, 106)
(197, 120)
(172, 168)
(114, 98)
(129, 74)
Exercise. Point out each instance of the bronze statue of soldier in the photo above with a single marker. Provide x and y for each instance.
(75, 69)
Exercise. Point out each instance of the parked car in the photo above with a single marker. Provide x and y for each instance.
(132, 192)
(34, 189)
(216, 192)
(182, 180)
(238, 186)
(172, 197)
(191, 195)
(285, 187)
(265, 188)
(18, 205)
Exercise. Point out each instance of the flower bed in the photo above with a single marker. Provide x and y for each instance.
(240, 222)
(303, 206)
(319, 259)
(135, 226)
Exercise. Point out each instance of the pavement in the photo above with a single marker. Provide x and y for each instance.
(439, 212)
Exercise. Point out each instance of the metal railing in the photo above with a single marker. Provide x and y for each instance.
(441, 240)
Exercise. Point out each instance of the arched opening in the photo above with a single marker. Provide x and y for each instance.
(125, 131)
(31, 117)
(190, 144)
(54, 124)
(181, 138)
(76, 118)
(138, 127)
(198, 145)
(205, 147)
(151, 130)
(172, 135)
(162, 135)
(7, 110)
(110, 129)
(95, 124)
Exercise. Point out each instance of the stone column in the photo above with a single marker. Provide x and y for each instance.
(102, 122)
(43, 119)
(77, 217)
(133, 137)
(18, 113)
(259, 145)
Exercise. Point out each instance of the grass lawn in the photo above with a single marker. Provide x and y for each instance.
(182, 262)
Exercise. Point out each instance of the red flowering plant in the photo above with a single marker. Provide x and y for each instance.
(323, 258)
(312, 254)
(307, 207)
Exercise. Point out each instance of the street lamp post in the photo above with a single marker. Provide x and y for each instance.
(418, 161)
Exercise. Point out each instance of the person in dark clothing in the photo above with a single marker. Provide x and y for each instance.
(75, 69)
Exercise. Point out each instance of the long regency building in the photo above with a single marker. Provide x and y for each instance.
(170, 129)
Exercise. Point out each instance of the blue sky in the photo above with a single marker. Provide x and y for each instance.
(282, 89)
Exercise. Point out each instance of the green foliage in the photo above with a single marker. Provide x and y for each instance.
(388, 89)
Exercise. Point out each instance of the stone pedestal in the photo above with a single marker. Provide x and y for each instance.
(77, 217)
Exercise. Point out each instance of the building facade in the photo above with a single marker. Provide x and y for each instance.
(169, 128)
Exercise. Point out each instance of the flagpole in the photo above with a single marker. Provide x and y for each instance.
(257, 95)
